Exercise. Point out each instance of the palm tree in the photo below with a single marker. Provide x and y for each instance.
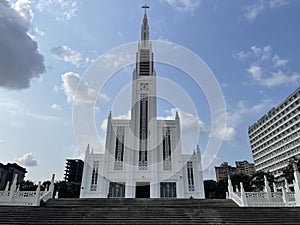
(288, 172)
(257, 180)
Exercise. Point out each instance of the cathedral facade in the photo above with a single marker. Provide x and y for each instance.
(143, 156)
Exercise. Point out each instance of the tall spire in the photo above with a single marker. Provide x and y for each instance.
(145, 27)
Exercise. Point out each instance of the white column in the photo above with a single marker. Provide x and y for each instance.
(274, 187)
(286, 186)
(230, 187)
(14, 184)
(7, 186)
(296, 184)
(38, 193)
(13, 188)
(284, 196)
(85, 173)
(51, 187)
(267, 189)
(243, 196)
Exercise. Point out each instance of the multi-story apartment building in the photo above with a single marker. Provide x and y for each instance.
(242, 167)
(74, 170)
(275, 138)
(223, 171)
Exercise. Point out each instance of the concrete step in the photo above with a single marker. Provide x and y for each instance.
(146, 211)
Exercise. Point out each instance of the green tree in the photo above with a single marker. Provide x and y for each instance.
(288, 172)
(67, 189)
(236, 179)
(210, 188)
(28, 185)
(257, 180)
(221, 189)
(45, 185)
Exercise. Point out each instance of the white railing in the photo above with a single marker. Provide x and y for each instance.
(25, 198)
(236, 197)
(260, 199)
(267, 204)
(256, 197)
(276, 196)
(47, 196)
(291, 196)
(267, 198)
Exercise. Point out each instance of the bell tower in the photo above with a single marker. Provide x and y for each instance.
(143, 108)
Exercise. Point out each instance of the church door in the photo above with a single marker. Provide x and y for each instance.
(142, 190)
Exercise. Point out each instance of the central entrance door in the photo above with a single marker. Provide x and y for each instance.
(142, 190)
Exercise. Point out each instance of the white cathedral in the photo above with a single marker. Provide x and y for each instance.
(143, 156)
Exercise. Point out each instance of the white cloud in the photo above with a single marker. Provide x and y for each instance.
(276, 79)
(266, 52)
(252, 11)
(63, 10)
(103, 125)
(24, 8)
(281, 78)
(55, 107)
(234, 119)
(241, 55)
(229, 134)
(277, 3)
(115, 60)
(278, 62)
(264, 65)
(260, 54)
(19, 52)
(79, 92)
(27, 160)
(66, 54)
(184, 5)
(255, 71)
(56, 88)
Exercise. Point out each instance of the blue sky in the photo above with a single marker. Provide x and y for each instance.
(252, 47)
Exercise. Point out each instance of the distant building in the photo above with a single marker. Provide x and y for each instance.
(74, 170)
(223, 171)
(275, 138)
(244, 167)
(8, 172)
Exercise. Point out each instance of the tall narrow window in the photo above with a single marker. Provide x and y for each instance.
(143, 132)
(94, 181)
(190, 173)
(167, 164)
(119, 150)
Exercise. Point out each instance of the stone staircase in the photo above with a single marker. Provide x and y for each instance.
(146, 211)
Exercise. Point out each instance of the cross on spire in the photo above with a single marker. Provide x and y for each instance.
(145, 7)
